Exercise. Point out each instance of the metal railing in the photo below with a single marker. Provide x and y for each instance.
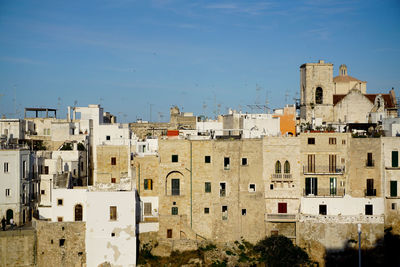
(323, 169)
(281, 176)
(325, 192)
(370, 192)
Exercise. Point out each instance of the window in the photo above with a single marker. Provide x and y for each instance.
(252, 187)
(148, 184)
(244, 161)
(206, 210)
(113, 234)
(286, 167)
(343, 142)
(226, 163)
(108, 137)
(5, 166)
(368, 209)
(174, 158)
(332, 186)
(113, 180)
(282, 207)
(278, 167)
(42, 192)
(113, 161)
(332, 140)
(147, 209)
(271, 186)
(311, 141)
(113, 213)
(322, 209)
(8, 192)
(61, 242)
(78, 213)
(174, 211)
(395, 159)
(370, 161)
(393, 188)
(59, 219)
(393, 206)
(169, 233)
(46, 169)
(319, 95)
(311, 186)
(370, 188)
(207, 187)
(222, 189)
(311, 163)
(224, 212)
(207, 159)
(60, 202)
(332, 163)
(24, 169)
(244, 212)
(81, 165)
(175, 186)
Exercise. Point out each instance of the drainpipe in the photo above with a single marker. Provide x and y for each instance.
(191, 197)
(139, 178)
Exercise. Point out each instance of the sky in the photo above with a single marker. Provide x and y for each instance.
(139, 58)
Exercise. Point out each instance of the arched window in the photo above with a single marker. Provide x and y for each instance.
(286, 167)
(278, 167)
(78, 213)
(318, 95)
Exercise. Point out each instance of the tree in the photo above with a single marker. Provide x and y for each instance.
(279, 251)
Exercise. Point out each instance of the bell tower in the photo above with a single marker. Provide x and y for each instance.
(316, 92)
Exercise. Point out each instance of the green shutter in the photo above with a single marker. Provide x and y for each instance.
(333, 186)
(395, 159)
(393, 188)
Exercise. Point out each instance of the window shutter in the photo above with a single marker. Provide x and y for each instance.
(395, 159)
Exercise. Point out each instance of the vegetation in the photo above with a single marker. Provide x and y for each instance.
(66, 146)
(280, 251)
(36, 145)
(81, 147)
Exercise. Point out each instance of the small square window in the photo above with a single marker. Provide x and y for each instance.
(113, 213)
(224, 208)
(207, 186)
(244, 161)
(332, 140)
(113, 180)
(282, 207)
(206, 210)
(108, 137)
(271, 187)
(113, 161)
(59, 219)
(60, 202)
(207, 159)
(8, 192)
(311, 141)
(393, 206)
(226, 163)
(5, 166)
(252, 187)
(244, 212)
(343, 142)
(42, 192)
(174, 210)
(174, 158)
(62, 242)
(148, 184)
(112, 234)
(322, 210)
(368, 209)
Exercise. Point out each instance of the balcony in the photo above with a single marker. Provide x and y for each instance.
(326, 192)
(323, 169)
(280, 217)
(281, 177)
(370, 163)
(371, 192)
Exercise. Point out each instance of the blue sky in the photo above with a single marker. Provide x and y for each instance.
(199, 55)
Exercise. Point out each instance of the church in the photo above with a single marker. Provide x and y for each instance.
(327, 100)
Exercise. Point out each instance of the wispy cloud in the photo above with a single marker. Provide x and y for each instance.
(21, 60)
(257, 8)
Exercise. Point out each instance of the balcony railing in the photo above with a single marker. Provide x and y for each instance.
(323, 169)
(281, 217)
(326, 192)
(370, 192)
(281, 177)
(369, 163)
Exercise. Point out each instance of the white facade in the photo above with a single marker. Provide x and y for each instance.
(12, 128)
(148, 217)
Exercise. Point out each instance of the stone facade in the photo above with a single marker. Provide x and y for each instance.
(18, 248)
(112, 163)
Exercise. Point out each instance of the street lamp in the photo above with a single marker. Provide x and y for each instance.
(359, 244)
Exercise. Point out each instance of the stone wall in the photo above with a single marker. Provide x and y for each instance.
(61, 243)
(17, 248)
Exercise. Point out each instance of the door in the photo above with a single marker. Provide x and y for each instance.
(9, 215)
(393, 188)
(395, 159)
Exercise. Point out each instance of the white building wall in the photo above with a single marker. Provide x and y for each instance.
(102, 246)
(70, 198)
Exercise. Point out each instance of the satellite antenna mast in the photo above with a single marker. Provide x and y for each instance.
(204, 108)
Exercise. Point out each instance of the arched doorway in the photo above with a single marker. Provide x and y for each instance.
(78, 213)
(9, 215)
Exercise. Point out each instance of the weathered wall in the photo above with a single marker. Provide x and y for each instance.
(53, 251)
(17, 248)
(354, 108)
